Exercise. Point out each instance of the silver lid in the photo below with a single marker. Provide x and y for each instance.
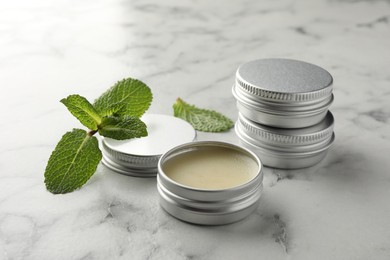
(139, 156)
(284, 80)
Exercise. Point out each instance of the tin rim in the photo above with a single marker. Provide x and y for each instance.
(210, 216)
(279, 148)
(207, 194)
(287, 109)
(287, 137)
(287, 153)
(288, 161)
(131, 160)
(221, 207)
(129, 171)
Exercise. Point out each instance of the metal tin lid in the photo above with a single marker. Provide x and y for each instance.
(284, 80)
(282, 137)
(282, 108)
(139, 156)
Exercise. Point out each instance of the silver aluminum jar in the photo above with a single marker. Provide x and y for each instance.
(282, 92)
(208, 206)
(287, 148)
(138, 157)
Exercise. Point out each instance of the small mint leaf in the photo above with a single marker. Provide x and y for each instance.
(83, 111)
(73, 162)
(127, 97)
(121, 128)
(201, 119)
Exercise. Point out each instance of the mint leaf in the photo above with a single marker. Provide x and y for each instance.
(127, 97)
(114, 114)
(121, 128)
(73, 162)
(201, 119)
(83, 111)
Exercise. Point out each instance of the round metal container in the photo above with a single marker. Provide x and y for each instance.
(287, 148)
(208, 206)
(283, 93)
(139, 156)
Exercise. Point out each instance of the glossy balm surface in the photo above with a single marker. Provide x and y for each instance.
(214, 168)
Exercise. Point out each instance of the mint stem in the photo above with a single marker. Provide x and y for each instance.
(92, 132)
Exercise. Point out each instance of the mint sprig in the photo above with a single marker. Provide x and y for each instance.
(201, 119)
(115, 114)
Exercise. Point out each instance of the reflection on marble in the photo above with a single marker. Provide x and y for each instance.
(338, 209)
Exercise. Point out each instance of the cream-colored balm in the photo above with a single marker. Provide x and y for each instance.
(213, 168)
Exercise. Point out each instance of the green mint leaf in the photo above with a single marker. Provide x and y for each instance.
(127, 97)
(201, 119)
(73, 162)
(124, 127)
(83, 111)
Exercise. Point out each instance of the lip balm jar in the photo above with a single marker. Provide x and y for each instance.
(139, 156)
(209, 182)
(282, 92)
(287, 148)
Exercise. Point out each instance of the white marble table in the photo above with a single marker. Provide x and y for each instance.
(339, 209)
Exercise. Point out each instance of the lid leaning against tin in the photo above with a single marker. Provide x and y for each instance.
(272, 91)
(139, 156)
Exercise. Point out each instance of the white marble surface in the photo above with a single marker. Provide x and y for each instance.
(339, 209)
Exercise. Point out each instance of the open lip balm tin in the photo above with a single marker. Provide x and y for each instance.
(209, 182)
(139, 156)
(282, 92)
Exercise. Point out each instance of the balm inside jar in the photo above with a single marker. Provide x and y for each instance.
(212, 168)
(209, 183)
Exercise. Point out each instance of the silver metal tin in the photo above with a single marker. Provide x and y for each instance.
(206, 206)
(287, 148)
(139, 156)
(283, 93)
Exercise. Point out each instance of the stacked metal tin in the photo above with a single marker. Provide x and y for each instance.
(283, 111)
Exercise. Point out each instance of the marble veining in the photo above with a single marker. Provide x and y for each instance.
(338, 209)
